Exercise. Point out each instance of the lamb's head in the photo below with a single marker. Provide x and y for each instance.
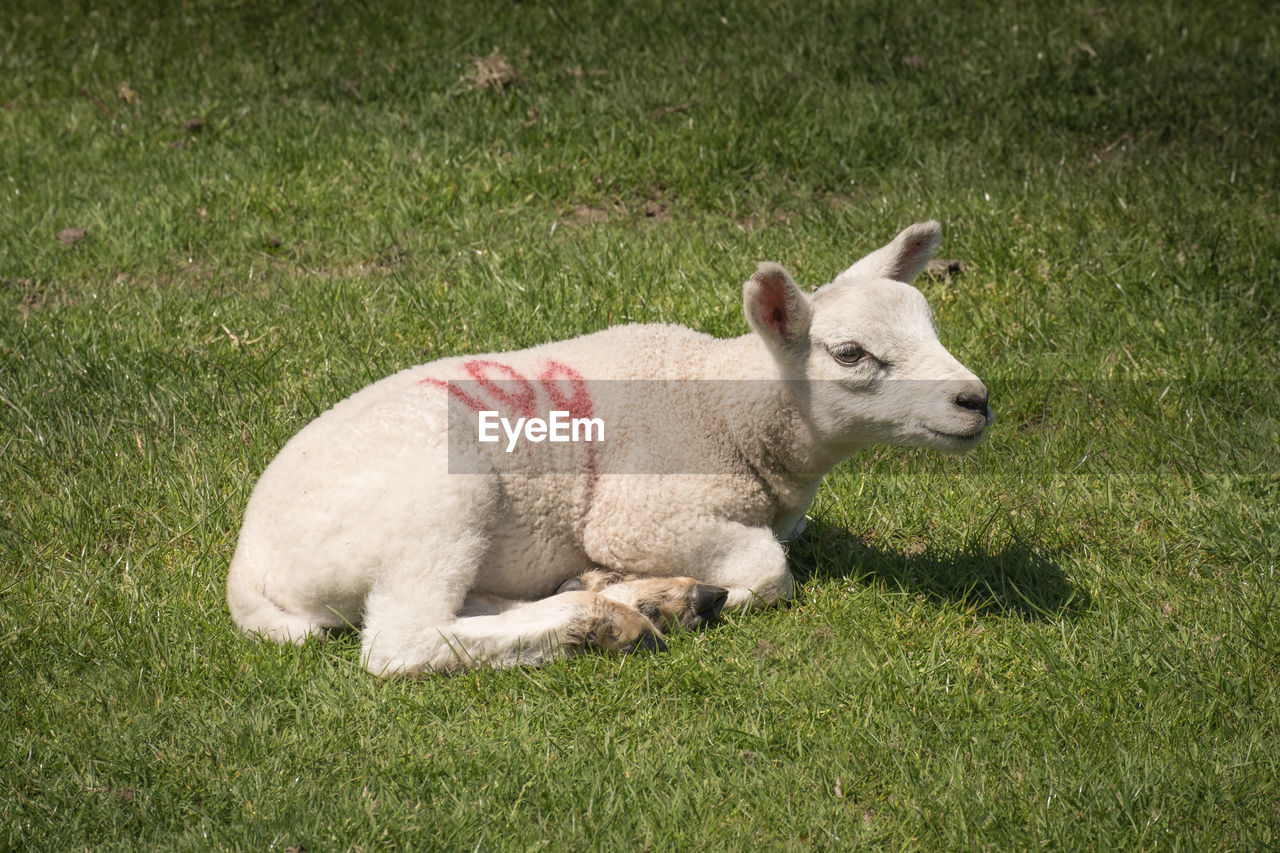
(865, 355)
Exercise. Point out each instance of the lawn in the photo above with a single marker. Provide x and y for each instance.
(218, 219)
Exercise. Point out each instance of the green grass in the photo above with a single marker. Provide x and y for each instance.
(1068, 639)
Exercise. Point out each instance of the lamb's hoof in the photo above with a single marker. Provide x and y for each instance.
(669, 603)
(681, 603)
(574, 584)
(611, 626)
(707, 601)
(649, 642)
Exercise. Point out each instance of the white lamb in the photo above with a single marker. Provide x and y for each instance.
(386, 514)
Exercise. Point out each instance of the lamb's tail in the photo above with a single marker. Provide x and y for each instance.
(256, 613)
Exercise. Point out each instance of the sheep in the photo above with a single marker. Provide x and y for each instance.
(388, 513)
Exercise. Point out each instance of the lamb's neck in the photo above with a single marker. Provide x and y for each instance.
(769, 420)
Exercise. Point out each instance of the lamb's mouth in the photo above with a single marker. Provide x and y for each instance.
(960, 436)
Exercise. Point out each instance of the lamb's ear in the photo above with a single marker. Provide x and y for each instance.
(776, 309)
(904, 258)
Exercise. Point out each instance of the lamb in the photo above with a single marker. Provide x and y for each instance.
(388, 514)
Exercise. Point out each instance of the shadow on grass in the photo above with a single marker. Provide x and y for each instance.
(1012, 579)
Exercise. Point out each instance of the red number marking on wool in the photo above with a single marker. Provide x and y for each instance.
(579, 404)
(457, 393)
(523, 401)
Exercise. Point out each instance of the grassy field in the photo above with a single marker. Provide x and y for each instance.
(218, 219)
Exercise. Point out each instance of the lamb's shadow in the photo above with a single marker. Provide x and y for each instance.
(1014, 579)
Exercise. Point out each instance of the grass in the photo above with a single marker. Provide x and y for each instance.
(1067, 639)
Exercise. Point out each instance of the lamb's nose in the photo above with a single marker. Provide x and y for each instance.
(974, 400)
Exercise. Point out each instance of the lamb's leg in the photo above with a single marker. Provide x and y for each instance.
(500, 633)
(746, 561)
(668, 602)
(749, 561)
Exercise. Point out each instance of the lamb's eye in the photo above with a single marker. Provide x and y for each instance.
(850, 354)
